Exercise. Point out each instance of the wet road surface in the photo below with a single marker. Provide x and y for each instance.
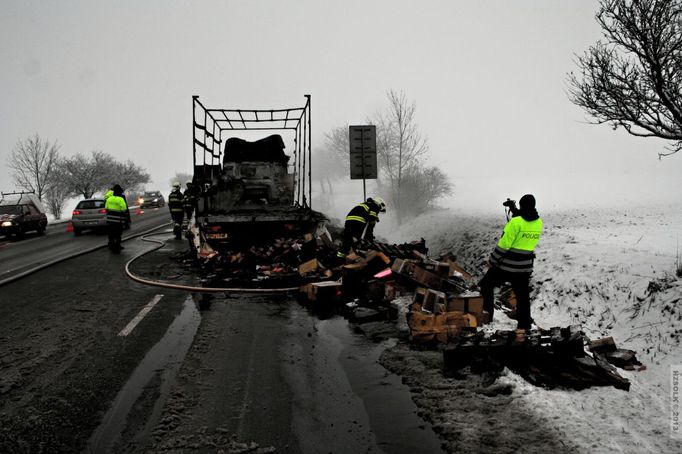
(246, 372)
(17, 256)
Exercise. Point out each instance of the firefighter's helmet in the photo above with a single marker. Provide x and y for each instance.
(176, 185)
(382, 205)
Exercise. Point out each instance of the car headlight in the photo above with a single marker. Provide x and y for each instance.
(7, 224)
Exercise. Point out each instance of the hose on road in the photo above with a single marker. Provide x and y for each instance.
(74, 255)
(189, 288)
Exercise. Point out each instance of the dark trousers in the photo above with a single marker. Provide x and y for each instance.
(188, 213)
(352, 234)
(495, 277)
(177, 217)
(115, 230)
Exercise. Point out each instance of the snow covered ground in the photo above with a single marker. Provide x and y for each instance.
(611, 270)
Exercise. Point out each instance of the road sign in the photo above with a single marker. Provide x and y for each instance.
(363, 152)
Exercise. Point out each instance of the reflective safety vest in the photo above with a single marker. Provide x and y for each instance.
(364, 213)
(514, 251)
(189, 199)
(175, 202)
(108, 194)
(117, 210)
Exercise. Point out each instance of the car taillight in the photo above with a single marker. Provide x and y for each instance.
(215, 228)
(103, 210)
(76, 212)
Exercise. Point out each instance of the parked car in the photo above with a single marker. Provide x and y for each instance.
(21, 212)
(151, 199)
(91, 214)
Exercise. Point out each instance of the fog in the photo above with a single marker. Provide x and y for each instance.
(489, 80)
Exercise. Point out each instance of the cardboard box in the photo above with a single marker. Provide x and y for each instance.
(472, 303)
(308, 267)
(427, 278)
(403, 267)
(434, 301)
(328, 291)
(393, 290)
(455, 268)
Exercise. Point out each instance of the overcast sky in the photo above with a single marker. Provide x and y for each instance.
(488, 77)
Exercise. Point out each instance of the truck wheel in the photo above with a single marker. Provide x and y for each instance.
(77, 232)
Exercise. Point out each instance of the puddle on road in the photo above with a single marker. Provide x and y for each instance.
(164, 359)
(392, 414)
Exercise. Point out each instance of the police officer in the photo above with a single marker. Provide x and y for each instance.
(117, 215)
(175, 206)
(362, 218)
(512, 259)
(189, 199)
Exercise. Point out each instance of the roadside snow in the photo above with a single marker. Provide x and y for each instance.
(610, 270)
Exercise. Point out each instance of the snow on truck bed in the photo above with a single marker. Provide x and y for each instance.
(611, 270)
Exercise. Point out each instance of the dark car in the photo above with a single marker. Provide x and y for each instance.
(21, 213)
(91, 214)
(151, 199)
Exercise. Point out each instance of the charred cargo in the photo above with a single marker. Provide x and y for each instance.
(251, 191)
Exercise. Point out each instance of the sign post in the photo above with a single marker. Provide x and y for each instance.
(363, 154)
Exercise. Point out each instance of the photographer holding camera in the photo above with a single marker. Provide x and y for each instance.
(512, 259)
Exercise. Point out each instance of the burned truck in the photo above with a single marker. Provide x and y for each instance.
(251, 191)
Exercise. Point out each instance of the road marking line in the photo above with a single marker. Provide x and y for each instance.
(145, 310)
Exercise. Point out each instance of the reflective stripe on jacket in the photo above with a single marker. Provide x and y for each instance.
(189, 199)
(117, 210)
(175, 201)
(364, 212)
(514, 251)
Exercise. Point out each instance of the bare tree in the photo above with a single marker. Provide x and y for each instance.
(331, 162)
(32, 162)
(58, 190)
(633, 79)
(422, 187)
(88, 175)
(129, 176)
(400, 144)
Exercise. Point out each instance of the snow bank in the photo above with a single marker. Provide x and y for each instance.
(611, 270)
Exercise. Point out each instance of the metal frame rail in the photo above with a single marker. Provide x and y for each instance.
(209, 124)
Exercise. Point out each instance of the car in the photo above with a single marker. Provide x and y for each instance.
(151, 199)
(21, 212)
(91, 214)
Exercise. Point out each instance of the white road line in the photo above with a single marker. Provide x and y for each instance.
(145, 310)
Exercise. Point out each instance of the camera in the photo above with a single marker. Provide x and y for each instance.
(511, 204)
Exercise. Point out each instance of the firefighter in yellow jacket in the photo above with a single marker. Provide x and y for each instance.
(117, 215)
(512, 259)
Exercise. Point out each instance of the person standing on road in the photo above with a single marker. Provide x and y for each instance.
(512, 259)
(189, 200)
(117, 214)
(175, 206)
(362, 218)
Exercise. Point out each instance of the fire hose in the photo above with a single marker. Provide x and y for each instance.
(189, 288)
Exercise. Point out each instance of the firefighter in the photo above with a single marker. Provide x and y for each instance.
(109, 193)
(189, 200)
(117, 214)
(512, 259)
(175, 206)
(362, 218)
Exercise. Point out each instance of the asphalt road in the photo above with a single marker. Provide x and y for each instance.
(245, 373)
(17, 256)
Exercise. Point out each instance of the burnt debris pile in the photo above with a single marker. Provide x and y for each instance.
(444, 307)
